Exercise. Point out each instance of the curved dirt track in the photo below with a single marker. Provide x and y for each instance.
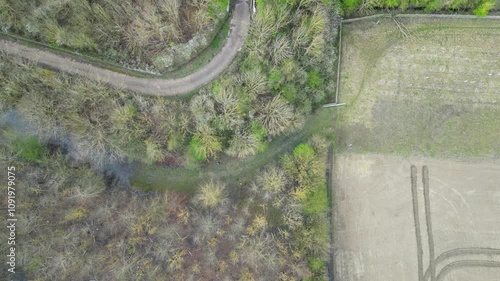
(466, 263)
(240, 23)
(461, 253)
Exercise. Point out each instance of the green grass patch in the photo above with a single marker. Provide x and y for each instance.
(216, 42)
(316, 264)
(29, 149)
(316, 201)
(221, 36)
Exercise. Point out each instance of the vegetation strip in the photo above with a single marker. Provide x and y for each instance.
(339, 61)
(329, 186)
(240, 23)
(420, 16)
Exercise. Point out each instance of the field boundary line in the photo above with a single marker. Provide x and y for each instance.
(339, 61)
(364, 18)
(494, 17)
(329, 185)
(445, 16)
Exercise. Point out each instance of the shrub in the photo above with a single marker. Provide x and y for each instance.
(316, 201)
(276, 115)
(243, 145)
(275, 79)
(204, 144)
(351, 5)
(258, 130)
(305, 169)
(196, 149)
(217, 7)
(484, 8)
(75, 214)
(210, 195)
(154, 152)
(272, 181)
(317, 267)
(281, 50)
(316, 264)
(314, 79)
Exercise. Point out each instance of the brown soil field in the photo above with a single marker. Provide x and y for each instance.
(375, 233)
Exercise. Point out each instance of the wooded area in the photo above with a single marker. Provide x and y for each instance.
(74, 140)
(79, 135)
(273, 229)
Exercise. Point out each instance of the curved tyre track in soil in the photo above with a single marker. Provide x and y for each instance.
(430, 234)
(466, 263)
(461, 252)
(240, 23)
(418, 231)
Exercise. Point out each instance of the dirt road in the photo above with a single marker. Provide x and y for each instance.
(240, 23)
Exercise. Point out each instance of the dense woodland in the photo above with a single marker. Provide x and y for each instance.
(152, 33)
(76, 225)
(71, 139)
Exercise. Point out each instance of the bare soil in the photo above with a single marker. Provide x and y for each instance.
(374, 233)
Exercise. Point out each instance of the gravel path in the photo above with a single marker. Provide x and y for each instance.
(240, 23)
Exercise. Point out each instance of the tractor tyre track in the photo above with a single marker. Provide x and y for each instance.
(430, 235)
(466, 263)
(461, 252)
(418, 233)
